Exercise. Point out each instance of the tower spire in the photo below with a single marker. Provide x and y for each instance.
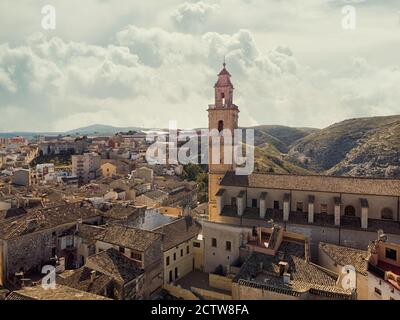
(224, 63)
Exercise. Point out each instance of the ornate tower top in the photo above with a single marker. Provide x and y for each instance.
(224, 89)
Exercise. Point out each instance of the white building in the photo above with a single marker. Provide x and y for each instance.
(44, 171)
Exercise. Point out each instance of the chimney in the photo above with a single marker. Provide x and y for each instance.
(78, 224)
(61, 264)
(283, 267)
(286, 278)
(92, 275)
(26, 282)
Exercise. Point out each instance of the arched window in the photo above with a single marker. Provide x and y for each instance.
(387, 214)
(220, 125)
(350, 211)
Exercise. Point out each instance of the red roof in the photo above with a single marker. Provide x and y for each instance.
(224, 72)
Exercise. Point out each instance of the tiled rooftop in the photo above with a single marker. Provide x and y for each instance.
(45, 218)
(59, 293)
(178, 231)
(346, 256)
(389, 187)
(114, 264)
(261, 270)
(81, 279)
(128, 237)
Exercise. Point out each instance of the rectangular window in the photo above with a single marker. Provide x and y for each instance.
(181, 252)
(214, 242)
(378, 291)
(254, 203)
(228, 246)
(196, 244)
(299, 207)
(122, 249)
(174, 256)
(324, 208)
(136, 256)
(187, 250)
(391, 254)
(276, 205)
(167, 261)
(69, 242)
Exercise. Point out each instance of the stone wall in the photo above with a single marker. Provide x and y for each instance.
(153, 267)
(29, 252)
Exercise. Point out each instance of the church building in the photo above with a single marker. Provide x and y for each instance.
(343, 210)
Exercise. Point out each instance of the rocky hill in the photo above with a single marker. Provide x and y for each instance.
(268, 159)
(356, 147)
(281, 137)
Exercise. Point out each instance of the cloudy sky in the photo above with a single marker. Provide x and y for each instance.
(144, 63)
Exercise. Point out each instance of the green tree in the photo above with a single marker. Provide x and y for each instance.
(197, 173)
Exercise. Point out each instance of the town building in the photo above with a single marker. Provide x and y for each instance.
(30, 239)
(45, 172)
(337, 258)
(263, 263)
(267, 263)
(110, 274)
(86, 167)
(144, 173)
(66, 145)
(180, 256)
(22, 177)
(143, 247)
(384, 269)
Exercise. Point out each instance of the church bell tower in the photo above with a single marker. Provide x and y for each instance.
(223, 114)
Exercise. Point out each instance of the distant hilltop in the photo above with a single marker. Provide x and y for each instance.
(358, 147)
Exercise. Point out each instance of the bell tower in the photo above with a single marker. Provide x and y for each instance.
(222, 115)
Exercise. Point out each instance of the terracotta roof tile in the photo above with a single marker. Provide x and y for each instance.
(352, 185)
(346, 256)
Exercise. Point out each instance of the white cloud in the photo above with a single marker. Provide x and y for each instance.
(193, 17)
(148, 73)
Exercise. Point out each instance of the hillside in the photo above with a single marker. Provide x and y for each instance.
(358, 147)
(96, 129)
(281, 137)
(100, 129)
(268, 159)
